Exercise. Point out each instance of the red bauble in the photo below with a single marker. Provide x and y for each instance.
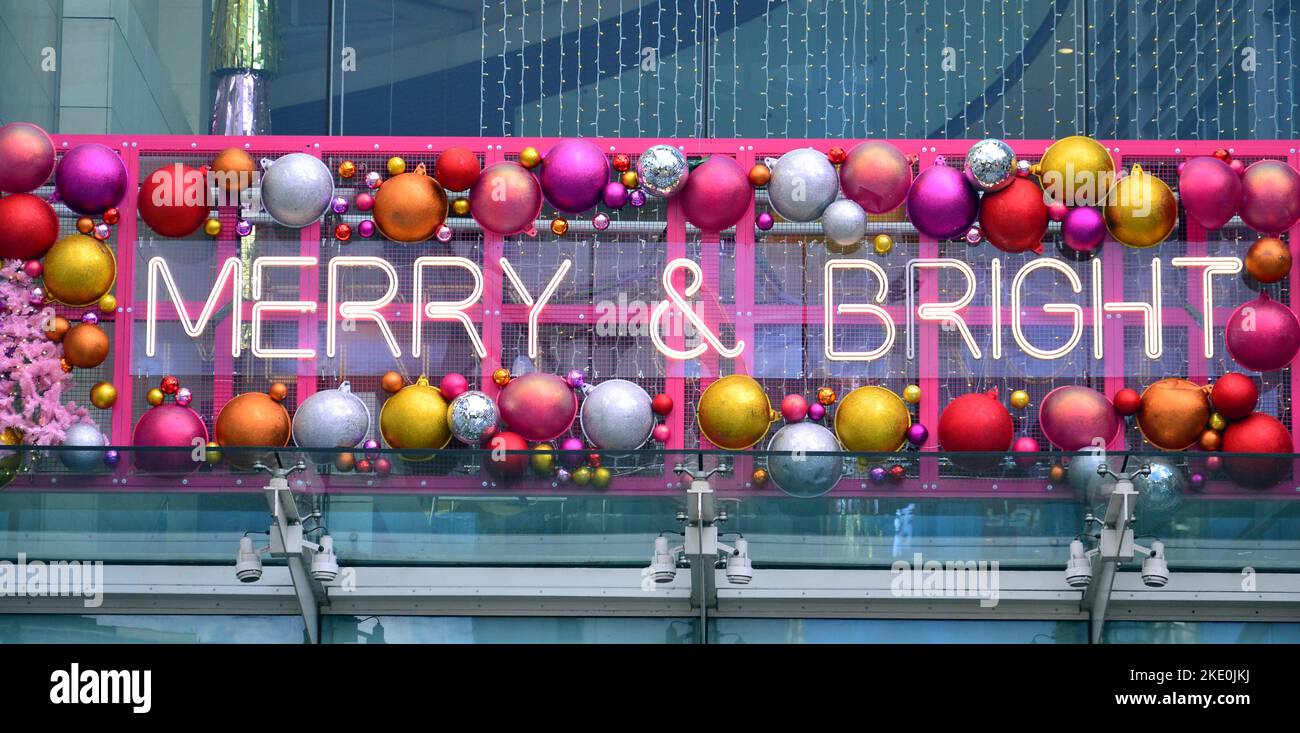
(457, 169)
(1234, 395)
(1014, 219)
(662, 404)
(510, 465)
(976, 422)
(1258, 433)
(1127, 401)
(173, 200)
(30, 227)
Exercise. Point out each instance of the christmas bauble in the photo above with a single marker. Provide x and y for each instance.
(26, 157)
(663, 171)
(718, 195)
(1173, 413)
(28, 227)
(1234, 395)
(103, 395)
(877, 176)
(991, 166)
(251, 419)
(505, 465)
(617, 414)
(83, 461)
(573, 177)
(410, 207)
(1083, 229)
(1261, 334)
(801, 473)
(941, 204)
(1083, 477)
(415, 419)
(872, 419)
(1161, 491)
(1270, 197)
(1076, 171)
(173, 427)
(233, 170)
(976, 422)
(1140, 210)
(457, 169)
(1127, 401)
(11, 461)
(1258, 433)
(91, 179)
(79, 270)
(331, 418)
(1209, 190)
(1074, 417)
(472, 416)
(506, 199)
(844, 223)
(538, 406)
(1268, 260)
(173, 200)
(734, 412)
(297, 189)
(85, 346)
(802, 185)
(1014, 219)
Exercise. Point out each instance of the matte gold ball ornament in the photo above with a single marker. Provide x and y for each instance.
(543, 459)
(1140, 210)
(103, 395)
(734, 412)
(416, 419)
(396, 166)
(630, 179)
(872, 419)
(212, 452)
(85, 346)
(79, 270)
(154, 396)
(460, 207)
(108, 303)
(212, 227)
(529, 157)
(912, 394)
(883, 244)
(1076, 171)
(11, 461)
(1020, 399)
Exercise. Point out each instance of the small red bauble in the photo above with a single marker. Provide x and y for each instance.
(343, 232)
(1127, 401)
(837, 155)
(112, 216)
(169, 385)
(897, 473)
(622, 162)
(1234, 395)
(457, 169)
(364, 465)
(662, 404)
(593, 460)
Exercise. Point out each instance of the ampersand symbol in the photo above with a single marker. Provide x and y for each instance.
(679, 301)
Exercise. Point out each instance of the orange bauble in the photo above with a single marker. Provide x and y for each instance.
(58, 328)
(252, 419)
(234, 169)
(1268, 260)
(410, 207)
(85, 346)
(392, 382)
(1173, 413)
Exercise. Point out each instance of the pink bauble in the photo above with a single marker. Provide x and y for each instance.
(816, 411)
(1075, 417)
(1209, 191)
(717, 194)
(876, 175)
(364, 201)
(26, 157)
(794, 408)
(538, 406)
(1025, 449)
(1262, 334)
(574, 174)
(941, 203)
(661, 433)
(572, 452)
(1084, 229)
(173, 426)
(506, 199)
(615, 195)
(1057, 211)
(453, 385)
(1270, 197)
(91, 179)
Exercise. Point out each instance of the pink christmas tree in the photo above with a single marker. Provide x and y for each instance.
(32, 380)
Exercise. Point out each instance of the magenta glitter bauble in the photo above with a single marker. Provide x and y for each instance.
(877, 176)
(173, 426)
(1270, 197)
(574, 175)
(1209, 191)
(717, 194)
(1025, 449)
(453, 385)
(26, 157)
(1074, 417)
(572, 452)
(636, 198)
(1084, 229)
(1262, 334)
(941, 204)
(91, 179)
(615, 195)
(506, 199)
(538, 406)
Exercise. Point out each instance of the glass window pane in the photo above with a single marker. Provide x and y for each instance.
(506, 630)
(140, 629)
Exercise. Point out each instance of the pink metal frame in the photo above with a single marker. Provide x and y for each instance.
(494, 312)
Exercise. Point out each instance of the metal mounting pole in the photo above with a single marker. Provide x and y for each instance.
(287, 543)
(1116, 546)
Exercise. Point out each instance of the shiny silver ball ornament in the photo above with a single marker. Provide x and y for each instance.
(844, 222)
(331, 418)
(616, 415)
(801, 474)
(83, 461)
(1161, 491)
(1083, 477)
(803, 184)
(990, 165)
(662, 170)
(296, 189)
(471, 416)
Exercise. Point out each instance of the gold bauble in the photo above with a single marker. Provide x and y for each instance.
(543, 459)
(79, 270)
(212, 452)
(1020, 399)
(212, 227)
(460, 207)
(10, 460)
(883, 244)
(501, 376)
(103, 395)
(1077, 171)
(410, 207)
(759, 175)
(392, 382)
(1268, 260)
(1141, 211)
(529, 157)
(759, 476)
(734, 412)
(1173, 413)
(872, 420)
(154, 396)
(1218, 422)
(601, 478)
(582, 476)
(347, 169)
(416, 419)
(559, 226)
(630, 180)
(108, 303)
(396, 166)
(911, 394)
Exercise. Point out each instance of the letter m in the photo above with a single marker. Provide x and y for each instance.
(231, 271)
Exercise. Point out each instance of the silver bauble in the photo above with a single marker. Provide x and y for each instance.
(802, 185)
(1160, 493)
(471, 416)
(331, 418)
(1083, 476)
(805, 475)
(844, 222)
(990, 165)
(616, 415)
(662, 170)
(297, 189)
(83, 461)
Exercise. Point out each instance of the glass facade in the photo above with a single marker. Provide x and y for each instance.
(149, 629)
